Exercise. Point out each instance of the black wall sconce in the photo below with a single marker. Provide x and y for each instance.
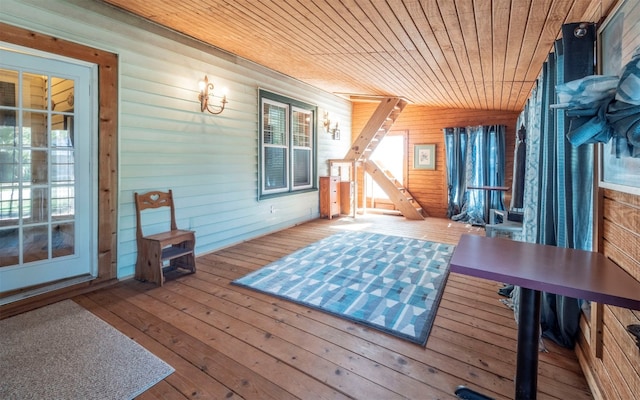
(206, 88)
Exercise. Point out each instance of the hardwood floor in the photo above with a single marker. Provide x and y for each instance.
(228, 342)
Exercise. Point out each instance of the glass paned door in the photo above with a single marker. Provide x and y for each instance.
(46, 190)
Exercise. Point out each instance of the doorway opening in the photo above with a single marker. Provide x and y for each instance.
(390, 155)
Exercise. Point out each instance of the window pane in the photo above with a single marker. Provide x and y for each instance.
(8, 92)
(62, 97)
(26, 202)
(62, 131)
(34, 167)
(9, 156)
(301, 167)
(9, 246)
(301, 129)
(62, 201)
(9, 202)
(62, 239)
(275, 173)
(34, 131)
(36, 243)
(34, 91)
(62, 166)
(275, 124)
(9, 153)
(38, 202)
(8, 128)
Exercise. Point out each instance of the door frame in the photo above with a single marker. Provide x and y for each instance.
(107, 142)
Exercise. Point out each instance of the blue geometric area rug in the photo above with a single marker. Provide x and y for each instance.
(390, 283)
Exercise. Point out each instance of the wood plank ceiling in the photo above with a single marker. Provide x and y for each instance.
(482, 54)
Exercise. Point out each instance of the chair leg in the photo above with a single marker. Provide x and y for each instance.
(191, 262)
(149, 263)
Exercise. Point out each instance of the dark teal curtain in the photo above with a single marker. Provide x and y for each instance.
(494, 170)
(455, 143)
(559, 195)
(475, 157)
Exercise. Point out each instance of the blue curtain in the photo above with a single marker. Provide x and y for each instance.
(475, 156)
(558, 195)
(455, 143)
(494, 170)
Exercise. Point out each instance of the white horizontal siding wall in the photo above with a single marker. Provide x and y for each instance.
(210, 162)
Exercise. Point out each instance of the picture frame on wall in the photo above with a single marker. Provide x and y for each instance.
(424, 156)
(615, 48)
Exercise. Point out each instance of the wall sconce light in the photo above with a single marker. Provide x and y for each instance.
(206, 88)
(335, 132)
(326, 122)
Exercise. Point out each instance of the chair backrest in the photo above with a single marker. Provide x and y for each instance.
(154, 199)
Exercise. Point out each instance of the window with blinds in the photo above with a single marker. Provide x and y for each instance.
(287, 145)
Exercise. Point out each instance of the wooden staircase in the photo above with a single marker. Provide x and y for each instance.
(363, 146)
(376, 128)
(398, 195)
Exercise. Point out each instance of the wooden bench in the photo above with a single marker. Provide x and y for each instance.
(165, 251)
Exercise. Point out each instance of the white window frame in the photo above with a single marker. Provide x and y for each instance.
(292, 108)
(309, 148)
(265, 146)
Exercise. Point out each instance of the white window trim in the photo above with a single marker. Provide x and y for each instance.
(292, 106)
(286, 146)
(309, 113)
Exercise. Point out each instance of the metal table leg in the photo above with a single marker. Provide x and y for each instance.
(528, 339)
(527, 358)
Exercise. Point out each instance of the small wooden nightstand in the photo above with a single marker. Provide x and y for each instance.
(329, 196)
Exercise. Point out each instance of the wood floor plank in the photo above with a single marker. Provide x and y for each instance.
(219, 367)
(452, 306)
(227, 341)
(273, 369)
(310, 327)
(263, 336)
(188, 379)
(369, 333)
(162, 390)
(283, 327)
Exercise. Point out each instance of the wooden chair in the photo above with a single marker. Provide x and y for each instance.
(166, 251)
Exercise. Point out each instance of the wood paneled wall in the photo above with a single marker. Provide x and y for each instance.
(424, 126)
(607, 352)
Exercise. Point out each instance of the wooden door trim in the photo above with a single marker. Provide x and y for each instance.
(107, 148)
